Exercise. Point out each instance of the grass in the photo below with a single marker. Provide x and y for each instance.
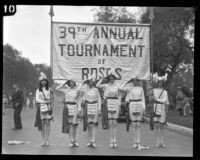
(174, 117)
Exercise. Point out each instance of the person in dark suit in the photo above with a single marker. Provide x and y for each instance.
(17, 101)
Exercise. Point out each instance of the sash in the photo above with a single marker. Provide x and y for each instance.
(105, 122)
(65, 122)
(43, 106)
(38, 122)
(151, 121)
(85, 123)
(128, 121)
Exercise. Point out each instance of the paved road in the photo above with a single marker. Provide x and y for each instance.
(177, 144)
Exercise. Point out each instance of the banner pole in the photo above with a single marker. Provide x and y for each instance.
(151, 17)
(51, 13)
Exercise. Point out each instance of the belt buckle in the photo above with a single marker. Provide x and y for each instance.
(136, 113)
(112, 111)
(91, 115)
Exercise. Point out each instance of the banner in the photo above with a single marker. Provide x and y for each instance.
(83, 49)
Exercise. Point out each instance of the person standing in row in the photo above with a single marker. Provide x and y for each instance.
(71, 110)
(136, 108)
(113, 101)
(179, 100)
(92, 108)
(27, 103)
(186, 101)
(44, 98)
(4, 104)
(17, 101)
(160, 111)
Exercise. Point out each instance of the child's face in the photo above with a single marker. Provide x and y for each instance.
(90, 83)
(135, 83)
(111, 79)
(160, 84)
(43, 82)
(72, 84)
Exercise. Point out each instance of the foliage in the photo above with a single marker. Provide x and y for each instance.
(17, 69)
(171, 45)
(172, 27)
(110, 14)
(183, 78)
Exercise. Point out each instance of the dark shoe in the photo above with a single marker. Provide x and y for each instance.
(71, 144)
(112, 145)
(89, 144)
(75, 144)
(135, 145)
(115, 145)
(94, 145)
(158, 145)
(139, 146)
(163, 146)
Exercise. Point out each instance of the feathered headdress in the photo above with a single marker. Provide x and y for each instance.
(112, 74)
(71, 78)
(133, 79)
(157, 78)
(42, 76)
(92, 77)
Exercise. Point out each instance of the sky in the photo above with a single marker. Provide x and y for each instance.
(28, 30)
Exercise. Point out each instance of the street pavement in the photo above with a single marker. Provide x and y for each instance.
(177, 144)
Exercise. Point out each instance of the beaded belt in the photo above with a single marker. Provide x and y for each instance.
(91, 102)
(135, 100)
(111, 98)
(159, 102)
(68, 102)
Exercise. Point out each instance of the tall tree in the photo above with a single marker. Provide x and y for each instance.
(113, 15)
(171, 45)
(17, 69)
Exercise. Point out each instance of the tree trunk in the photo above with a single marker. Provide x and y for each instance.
(171, 95)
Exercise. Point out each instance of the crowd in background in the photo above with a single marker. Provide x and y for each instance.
(184, 101)
(28, 103)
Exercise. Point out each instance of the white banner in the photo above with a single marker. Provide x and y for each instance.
(80, 50)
